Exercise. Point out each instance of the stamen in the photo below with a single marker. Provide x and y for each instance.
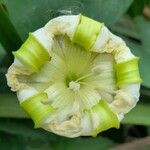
(75, 86)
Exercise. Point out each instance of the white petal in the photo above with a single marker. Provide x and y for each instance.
(26, 93)
(63, 25)
(44, 39)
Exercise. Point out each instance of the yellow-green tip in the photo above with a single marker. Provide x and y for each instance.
(32, 54)
(87, 32)
(128, 72)
(36, 109)
(108, 119)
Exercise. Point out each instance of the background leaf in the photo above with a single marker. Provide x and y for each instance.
(19, 17)
(2, 53)
(138, 115)
(9, 106)
(28, 15)
(84, 143)
(143, 27)
(8, 35)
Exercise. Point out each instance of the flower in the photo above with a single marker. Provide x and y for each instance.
(74, 77)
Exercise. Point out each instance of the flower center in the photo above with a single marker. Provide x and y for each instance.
(75, 86)
(75, 75)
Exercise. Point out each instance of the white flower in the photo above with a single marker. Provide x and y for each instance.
(74, 77)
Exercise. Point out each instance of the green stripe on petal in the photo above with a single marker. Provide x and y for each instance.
(87, 32)
(32, 54)
(128, 72)
(36, 109)
(107, 118)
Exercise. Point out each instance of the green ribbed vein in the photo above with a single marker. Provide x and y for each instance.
(128, 72)
(108, 119)
(32, 54)
(36, 109)
(87, 32)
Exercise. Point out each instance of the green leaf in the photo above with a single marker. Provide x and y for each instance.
(9, 37)
(137, 8)
(138, 115)
(107, 11)
(148, 130)
(143, 27)
(9, 107)
(2, 53)
(11, 142)
(89, 143)
(143, 62)
(3, 82)
(28, 15)
(126, 27)
(24, 127)
(39, 139)
(18, 142)
(4, 59)
(38, 144)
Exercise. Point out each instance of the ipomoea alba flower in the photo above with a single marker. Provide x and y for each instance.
(74, 77)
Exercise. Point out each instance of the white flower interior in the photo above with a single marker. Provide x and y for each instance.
(73, 77)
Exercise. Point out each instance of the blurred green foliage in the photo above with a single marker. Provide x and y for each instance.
(19, 17)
